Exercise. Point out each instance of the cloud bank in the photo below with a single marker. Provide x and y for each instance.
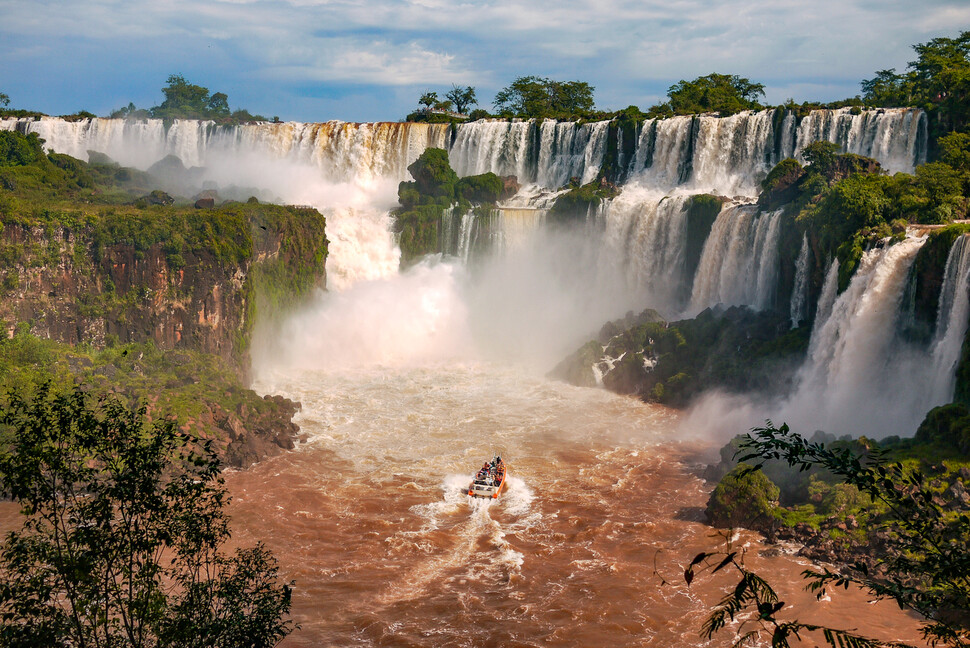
(362, 60)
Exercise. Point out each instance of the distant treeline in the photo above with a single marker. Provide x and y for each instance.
(183, 100)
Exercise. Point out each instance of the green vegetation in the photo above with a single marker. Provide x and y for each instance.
(81, 263)
(742, 498)
(463, 98)
(534, 96)
(737, 350)
(720, 93)
(123, 534)
(186, 384)
(938, 81)
(437, 188)
(913, 512)
(184, 100)
(580, 200)
(845, 203)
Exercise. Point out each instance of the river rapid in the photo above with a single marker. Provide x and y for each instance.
(586, 548)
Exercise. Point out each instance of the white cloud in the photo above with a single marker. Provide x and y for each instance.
(620, 46)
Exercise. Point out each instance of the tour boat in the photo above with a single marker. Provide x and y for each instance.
(490, 480)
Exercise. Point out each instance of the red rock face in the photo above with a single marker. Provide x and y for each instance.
(133, 295)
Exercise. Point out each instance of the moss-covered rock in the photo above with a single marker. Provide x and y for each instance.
(435, 192)
(576, 203)
(742, 499)
(484, 188)
(781, 185)
(433, 174)
(947, 427)
(737, 349)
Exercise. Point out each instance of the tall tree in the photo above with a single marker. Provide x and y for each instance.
(534, 96)
(182, 100)
(428, 99)
(4, 100)
(721, 93)
(122, 536)
(463, 98)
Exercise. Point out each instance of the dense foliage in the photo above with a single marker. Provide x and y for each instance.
(534, 96)
(437, 188)
(923, 565)
(184, 100)
(938, 81)
(123, 534)
(462, 98)
(720, 93)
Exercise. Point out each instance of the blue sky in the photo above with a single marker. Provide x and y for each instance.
(366, 60)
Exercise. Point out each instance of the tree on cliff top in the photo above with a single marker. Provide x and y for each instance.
(533, 96)
(184, 100)
(122, 535)
(463, 98)
(720, 93)
(937, 81)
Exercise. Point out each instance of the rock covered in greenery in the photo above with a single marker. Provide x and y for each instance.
(780, 186)
(742, 499)
(435, 189)
(845, 203)
(204, 393)
(736, 349)
(129, 296)
(580, 200)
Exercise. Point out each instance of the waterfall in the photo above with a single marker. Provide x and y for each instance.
(826, 299)
(646, 240)
(799, 294)
(848, 383)
(548, 154)
(893, 136)
(501, 230)
(951, 322)
(339, 151)
(739, 263)
(730, 155)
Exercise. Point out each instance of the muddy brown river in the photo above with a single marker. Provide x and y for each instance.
(586, 548)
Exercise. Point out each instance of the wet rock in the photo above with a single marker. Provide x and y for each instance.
(157, 197)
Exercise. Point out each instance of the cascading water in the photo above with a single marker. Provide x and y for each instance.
(548, 154)
(647, 240)
(826, 299)
(799, 294)
(401, 403)
(896, 137)
(848, 375)
(951, 323)
(739, 264)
